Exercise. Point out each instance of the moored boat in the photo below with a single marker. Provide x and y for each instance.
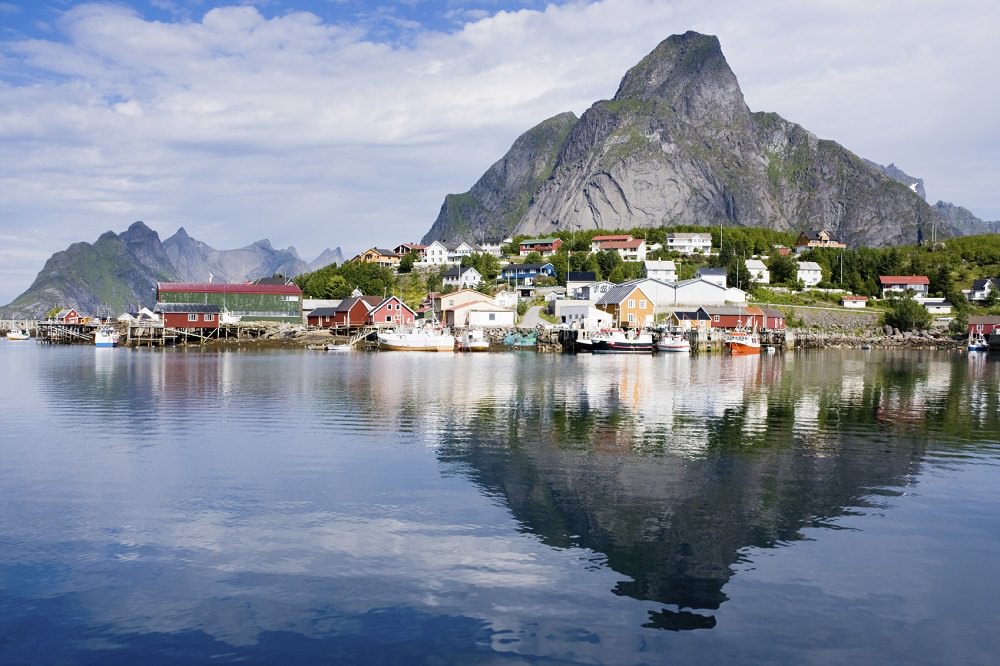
(474, 340)
(621, 342)
(19, 334)
(416, 339)
(977, 342)
(742, 341)
(106, 336)
(673, 343)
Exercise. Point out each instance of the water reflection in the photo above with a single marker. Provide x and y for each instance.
(245, 505)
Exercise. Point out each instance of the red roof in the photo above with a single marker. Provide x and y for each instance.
(216, 288)
(601, 239)
(854, 298)
(622, 244)
(903, 279)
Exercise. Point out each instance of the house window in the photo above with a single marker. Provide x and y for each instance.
(210, 317)
(715, 318)
(388, 317)
(631, 303)
(493, 316)
(192, 317)
(631, 317)
(642, 305)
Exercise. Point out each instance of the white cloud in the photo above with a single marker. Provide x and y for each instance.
(312, 134)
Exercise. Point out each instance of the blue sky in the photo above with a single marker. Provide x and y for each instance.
(325, 123)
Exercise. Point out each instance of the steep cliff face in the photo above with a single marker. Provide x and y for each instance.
(678, 145)
(498, 201)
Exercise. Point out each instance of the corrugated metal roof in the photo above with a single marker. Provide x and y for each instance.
(173, 308)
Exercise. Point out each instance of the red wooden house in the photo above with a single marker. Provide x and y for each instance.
(67, 316)
(391, 312)
(189, 315)
(354, 311)
(774, 320)
(984, 324)
(321, 317)
(725, 316)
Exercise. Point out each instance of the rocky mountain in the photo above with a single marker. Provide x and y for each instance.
(678, 145)
(900, 176)
(119, 272)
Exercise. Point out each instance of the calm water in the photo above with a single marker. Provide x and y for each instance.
(390, 508)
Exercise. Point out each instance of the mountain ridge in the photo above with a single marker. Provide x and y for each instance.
(677, 144)
(119, 272)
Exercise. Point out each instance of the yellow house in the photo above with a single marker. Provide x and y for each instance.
(628, 306)
(378, 256)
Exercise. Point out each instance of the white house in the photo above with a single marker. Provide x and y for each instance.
(506, 298)
(629, 250)
(593, 292)
(494, 246)
(579, 314)
(689, 243)
(856, 302)
(577, 280)
(660, 270)
(480, 313)
(713, 275)
(757, 270)
(461, 277)
(900, 285)
(436, 254)
(809, 273)
(935, 305)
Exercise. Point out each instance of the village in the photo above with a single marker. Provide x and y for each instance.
(526, 307)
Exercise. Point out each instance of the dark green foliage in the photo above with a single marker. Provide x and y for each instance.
(907, 314)
(487, 265)
(339, 281)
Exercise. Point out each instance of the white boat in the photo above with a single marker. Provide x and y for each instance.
(227, 317)
(346, 347)
(473, 339)
(673, 343)
(416, 339)
(19, 334)
(977, 342)
(106, 336)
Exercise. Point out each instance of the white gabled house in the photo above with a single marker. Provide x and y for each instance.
(460, 277)
(689, 243)
(660, 270)
(716, 275)
(436, 254)
(758, 271)
(809, 273)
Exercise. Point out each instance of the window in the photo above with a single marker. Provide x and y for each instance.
(493, 316)
(631, 317)
(715, 318)
(388, 317)
(210, 317)
(631, 303)
(642, 305)
(192, 316)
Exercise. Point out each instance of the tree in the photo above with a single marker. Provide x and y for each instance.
(533, 258)
(486, 264)
(783, 269)
(406, 263)
(907, 314)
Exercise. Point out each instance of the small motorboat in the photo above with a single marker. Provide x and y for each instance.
(977, 342)
(473, 340)
(19, 334)
(106, 336)
(673, 343)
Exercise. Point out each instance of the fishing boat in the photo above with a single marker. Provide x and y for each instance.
(344, 347)
(416, 339)
(673, 343)
(742, 341)
(977, 342)
(583, 343)
(622, 342)
(106, 336)
(19, 334)
(473, 340)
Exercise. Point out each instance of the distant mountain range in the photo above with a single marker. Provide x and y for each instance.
(119, 272)
(678, 145)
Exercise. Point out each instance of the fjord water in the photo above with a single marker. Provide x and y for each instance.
(295, 507)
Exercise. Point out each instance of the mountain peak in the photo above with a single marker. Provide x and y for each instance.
(689, 73)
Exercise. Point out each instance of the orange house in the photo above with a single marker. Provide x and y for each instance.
(628, 306)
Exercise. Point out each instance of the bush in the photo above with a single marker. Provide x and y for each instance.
(907, 315)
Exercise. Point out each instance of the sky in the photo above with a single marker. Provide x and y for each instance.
(344, 123)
